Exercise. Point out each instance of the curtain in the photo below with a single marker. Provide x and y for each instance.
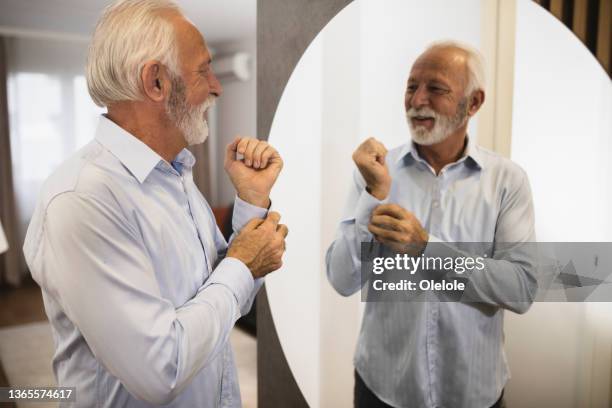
(50, 115)
(590, 20)
(10, 261)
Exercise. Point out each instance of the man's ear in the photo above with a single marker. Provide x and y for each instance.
(476, 100)
(154, 82)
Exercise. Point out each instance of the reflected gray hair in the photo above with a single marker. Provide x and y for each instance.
(475, 63)
(128, 34)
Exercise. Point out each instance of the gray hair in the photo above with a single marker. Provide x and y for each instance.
(128, 34)
(475, 63)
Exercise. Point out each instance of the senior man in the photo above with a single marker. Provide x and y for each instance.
(139, 285)
(418, 198)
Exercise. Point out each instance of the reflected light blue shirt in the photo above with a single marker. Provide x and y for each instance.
(441, 354)
(131, 264)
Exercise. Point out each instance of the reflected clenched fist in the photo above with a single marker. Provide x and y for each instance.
(370, 160)
(260, 245)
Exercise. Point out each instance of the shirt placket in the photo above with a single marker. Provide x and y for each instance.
(189, 209)
(433, 310)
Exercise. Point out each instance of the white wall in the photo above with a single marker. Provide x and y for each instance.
(294, 291)
(560, 354)
(341, 131)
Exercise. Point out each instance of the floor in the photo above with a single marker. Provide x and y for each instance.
(26, 345)
(22, 305)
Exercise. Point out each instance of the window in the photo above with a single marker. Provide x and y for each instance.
(50, 113)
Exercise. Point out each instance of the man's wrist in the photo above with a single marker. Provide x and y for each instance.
(255, 199)
(378, 192)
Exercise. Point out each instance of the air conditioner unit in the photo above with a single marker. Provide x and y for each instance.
(234, 67)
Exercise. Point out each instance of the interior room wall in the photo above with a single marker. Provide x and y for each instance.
(560, 353)
(340, 317)
(236, 113)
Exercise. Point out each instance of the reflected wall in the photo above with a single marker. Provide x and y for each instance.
(561, 136)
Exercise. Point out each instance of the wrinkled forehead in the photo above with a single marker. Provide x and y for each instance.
(192, 48)
(448, 65)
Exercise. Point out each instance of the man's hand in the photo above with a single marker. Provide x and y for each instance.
(254, 176)
(370, 160)
(398, 228)
(260, 245)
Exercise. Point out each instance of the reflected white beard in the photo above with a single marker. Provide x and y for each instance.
(189, 120)
(443, 125)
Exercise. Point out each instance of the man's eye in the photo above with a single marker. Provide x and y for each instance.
(437, 89)
(412, 88)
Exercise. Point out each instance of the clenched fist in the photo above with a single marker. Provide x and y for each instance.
(260, 245)
(398, 228)
(254, 175)
(370, 160)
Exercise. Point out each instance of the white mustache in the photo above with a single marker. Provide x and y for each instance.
(412, 112)
(208, 103)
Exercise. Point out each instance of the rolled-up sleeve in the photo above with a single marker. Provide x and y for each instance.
(100, 273)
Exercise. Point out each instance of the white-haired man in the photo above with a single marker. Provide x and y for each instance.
(139, 285)
(418, 198)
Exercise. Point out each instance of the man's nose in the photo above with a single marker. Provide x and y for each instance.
(215, 86)
(420, 97)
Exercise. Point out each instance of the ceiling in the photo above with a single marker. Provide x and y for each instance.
(219, 20)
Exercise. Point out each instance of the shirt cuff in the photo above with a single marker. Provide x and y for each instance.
(245, 212)
(234, 275)
(363, 211)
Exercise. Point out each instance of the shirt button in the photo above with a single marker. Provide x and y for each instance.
(435, 204)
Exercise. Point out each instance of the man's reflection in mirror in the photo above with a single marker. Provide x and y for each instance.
(438, 188)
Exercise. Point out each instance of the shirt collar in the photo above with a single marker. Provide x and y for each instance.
(185, 158)
(471, 151)
(135, 155)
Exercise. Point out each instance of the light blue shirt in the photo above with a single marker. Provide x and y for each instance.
(442, 354)
(131, 264)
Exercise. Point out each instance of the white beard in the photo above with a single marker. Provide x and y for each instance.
(444, 125)
(189, 120)
(194, 125)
